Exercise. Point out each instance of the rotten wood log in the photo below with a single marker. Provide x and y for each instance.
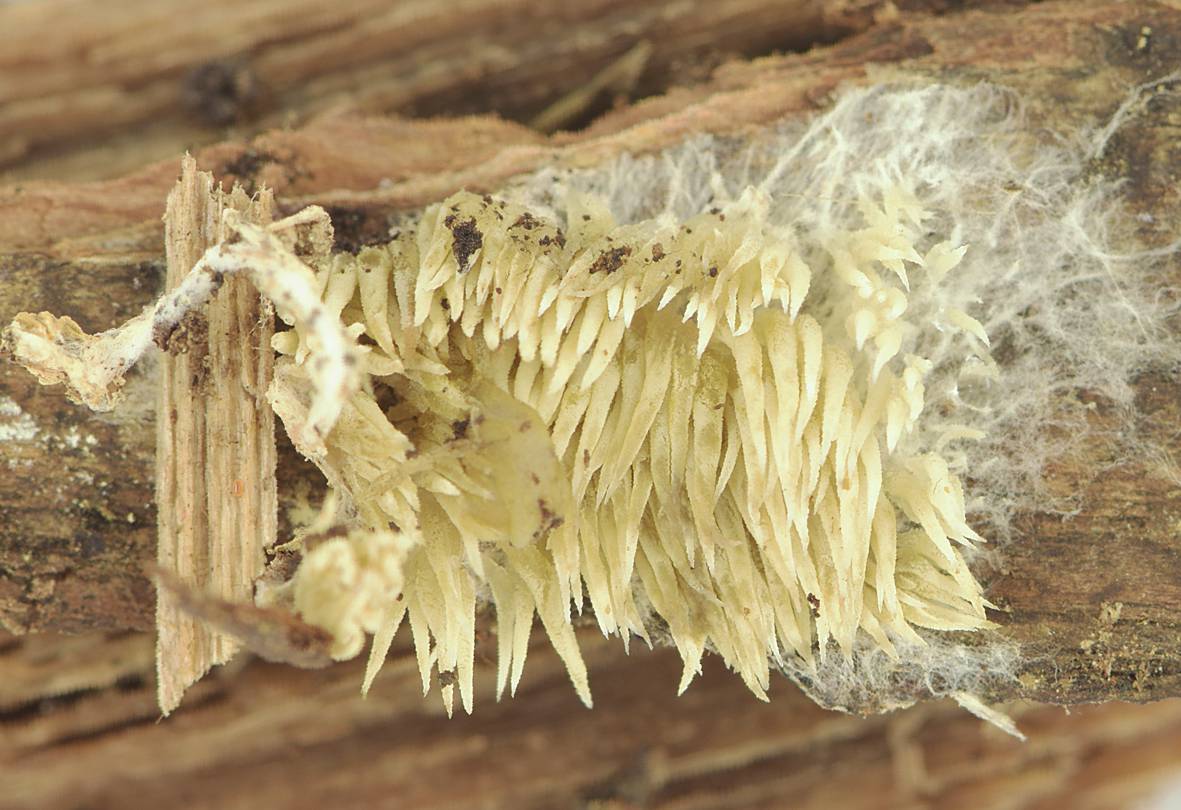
(78, 728)
(100, 97)
(1093, 599)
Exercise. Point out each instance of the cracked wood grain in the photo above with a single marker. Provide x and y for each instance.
(216, 507)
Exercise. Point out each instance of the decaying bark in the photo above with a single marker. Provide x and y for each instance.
(101, 96)
(1094, 598)
(216, 503)
(264, 735)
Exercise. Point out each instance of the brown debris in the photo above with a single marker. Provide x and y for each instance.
(270, 633)
(610, 260)
(466, 239)
(193, 330)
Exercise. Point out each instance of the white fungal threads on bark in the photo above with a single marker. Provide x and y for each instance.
(703, 441)
(56, 350)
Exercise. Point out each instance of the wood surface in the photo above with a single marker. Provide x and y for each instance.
(265, 735)
(1093, 598)
(124, 82)
(216, 507)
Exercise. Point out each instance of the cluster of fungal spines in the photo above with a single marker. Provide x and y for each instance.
(652, 418)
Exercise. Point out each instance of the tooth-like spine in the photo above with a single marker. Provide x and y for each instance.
(650, 408)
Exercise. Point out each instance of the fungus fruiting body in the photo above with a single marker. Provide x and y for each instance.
(721, 396)
(679, 423)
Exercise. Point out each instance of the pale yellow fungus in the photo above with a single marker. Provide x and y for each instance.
(663, 421)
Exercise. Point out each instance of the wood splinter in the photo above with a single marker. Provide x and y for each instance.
(215, 447)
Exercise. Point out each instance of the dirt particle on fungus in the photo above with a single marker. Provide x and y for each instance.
(526, 221)
(192, 330)
(610, 260)
(550, 520)
(466, 239)
(713, 272)
(162, 334)
(657, 252)
(558, 238)
(814, 602)
(460, 427)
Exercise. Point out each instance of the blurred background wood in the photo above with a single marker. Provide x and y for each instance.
(96, 103)
(262, 735)
(120, 83)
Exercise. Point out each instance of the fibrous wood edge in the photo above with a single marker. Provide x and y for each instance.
(1072, 64)
(215, 444)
